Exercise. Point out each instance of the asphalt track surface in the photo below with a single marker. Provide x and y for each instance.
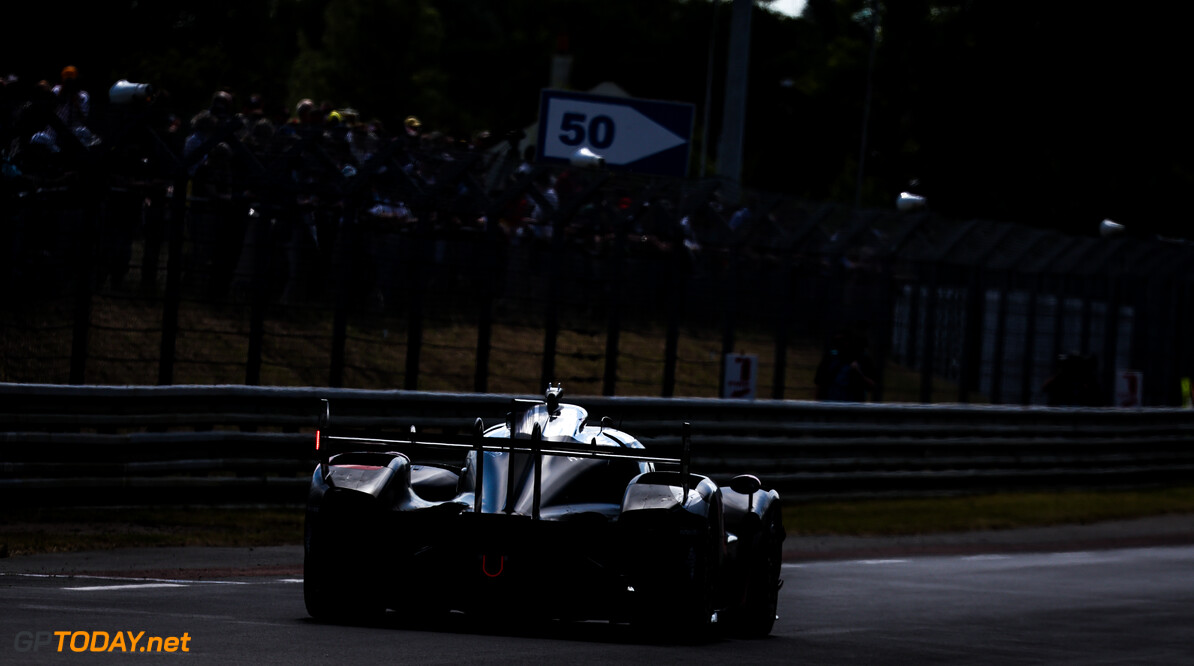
(1103, 594)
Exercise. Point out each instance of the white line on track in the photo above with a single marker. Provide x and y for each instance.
(138, 586)
(802, 565)
(92, 611)
(131, 578)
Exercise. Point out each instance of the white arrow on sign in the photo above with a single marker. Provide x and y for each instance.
(616, 132)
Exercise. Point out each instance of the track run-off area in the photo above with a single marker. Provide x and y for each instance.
(1117, 605)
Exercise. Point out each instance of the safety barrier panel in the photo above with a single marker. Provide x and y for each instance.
(79, 445)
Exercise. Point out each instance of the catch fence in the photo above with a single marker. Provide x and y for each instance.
(329, 256)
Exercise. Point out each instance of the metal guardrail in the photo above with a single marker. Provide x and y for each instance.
(239, 444)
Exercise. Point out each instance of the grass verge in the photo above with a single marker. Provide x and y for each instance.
(891, 517)
(31, 531)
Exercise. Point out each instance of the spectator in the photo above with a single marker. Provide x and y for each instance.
(413, 129)
(74, 104)
(365, 140)
(544, 205)
(305, 117)
(254, 109)
(741, 219)
(10, 101)
(261, 135)
(203, 128)
(221, 105)
(337, 138)
(36, 151)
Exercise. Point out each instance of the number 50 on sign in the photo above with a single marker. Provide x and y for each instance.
(645, 136)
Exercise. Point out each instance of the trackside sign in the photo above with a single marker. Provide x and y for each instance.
(644, 136)
(741, 379)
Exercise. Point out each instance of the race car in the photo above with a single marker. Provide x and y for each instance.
(544, 516)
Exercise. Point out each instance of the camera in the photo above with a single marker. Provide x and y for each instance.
(908, 202)
(127, 92)
(1111, 228)
(584, 157)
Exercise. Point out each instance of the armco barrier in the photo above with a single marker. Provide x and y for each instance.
(239, 444)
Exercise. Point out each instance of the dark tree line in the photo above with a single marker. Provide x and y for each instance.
(1057, 114)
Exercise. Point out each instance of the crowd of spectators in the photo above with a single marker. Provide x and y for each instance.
(317, 198)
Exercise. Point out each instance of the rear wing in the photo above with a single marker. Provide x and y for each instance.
(535, 445)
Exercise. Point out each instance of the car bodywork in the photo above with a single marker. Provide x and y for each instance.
(545, 515)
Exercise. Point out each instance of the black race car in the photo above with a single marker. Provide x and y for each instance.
(543, 516)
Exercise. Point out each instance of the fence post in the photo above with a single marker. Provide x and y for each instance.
(262, 253)
(1000, 339)
(911, 348)
(1029, 361)
(929, 338)
(1169, 393)
(783, 315)
(614, 307)
(670, 351)
(348, 240)
(1181, 332)
(154, 221)
(729, 311)
(489, 247)
(1059, 289)
(678, 281)
(551, 317)
(970, 374)
(1111, 338)
(173, 295)
(416, 286)
(84, 281)
(883, 336)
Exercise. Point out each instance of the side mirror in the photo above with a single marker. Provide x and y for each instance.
(746, 484)
(325, 416)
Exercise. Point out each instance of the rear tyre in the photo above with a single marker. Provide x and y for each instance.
(678, 591)
(337, 586)
(755, 616)
(695, 612)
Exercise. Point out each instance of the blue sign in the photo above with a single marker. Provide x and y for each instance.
(644, 136)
